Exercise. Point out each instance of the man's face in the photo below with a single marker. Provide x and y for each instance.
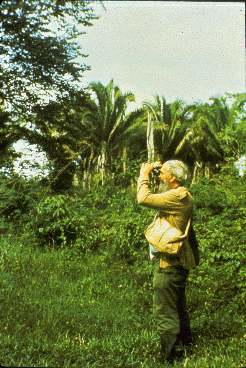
(165, 173)
(164, 186)
(165, 178)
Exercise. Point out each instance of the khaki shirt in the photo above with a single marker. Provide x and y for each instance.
(176, 206)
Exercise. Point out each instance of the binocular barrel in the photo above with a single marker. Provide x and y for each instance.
(156, 171)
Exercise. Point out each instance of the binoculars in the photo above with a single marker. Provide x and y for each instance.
(156, 171)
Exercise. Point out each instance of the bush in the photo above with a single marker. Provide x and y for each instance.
(100, 220)
(219, 283)
(88, 301)
(55, 222)
(109, 222)
(69, 309)
(18, 197)
(208, 197)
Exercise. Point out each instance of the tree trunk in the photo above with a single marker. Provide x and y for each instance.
(87, 170)
(196, 171)
(207, 172)
(87, 180)
(150, 139)
(124, 155)
(75, 180)
(103, 162)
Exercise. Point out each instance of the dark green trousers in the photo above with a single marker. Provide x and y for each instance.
(169, 304)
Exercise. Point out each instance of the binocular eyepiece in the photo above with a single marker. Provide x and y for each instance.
(156, 171)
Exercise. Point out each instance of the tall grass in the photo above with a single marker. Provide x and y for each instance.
(66, 308)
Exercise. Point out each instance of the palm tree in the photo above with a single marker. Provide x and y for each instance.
(105, 123)
(218, 131)
(189, 132)
(171, 132)
(231, 123)
(204, 146)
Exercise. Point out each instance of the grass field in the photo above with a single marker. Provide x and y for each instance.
(64, 308)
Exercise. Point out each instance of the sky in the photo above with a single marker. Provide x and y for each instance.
(182, 50)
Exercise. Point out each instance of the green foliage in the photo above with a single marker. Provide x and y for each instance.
(126, 171)
(171, 132)
(233, 139)
(8, 135)
(66, 315)
(105, 125)
(87, 300)
(208, 198)
(55, 223)
(18, 197)
(34, 57)
(220, 224)
(67, 309)
(38, 50)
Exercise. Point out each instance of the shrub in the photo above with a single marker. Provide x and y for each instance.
(55, 222)
(219, 283)
(18, 197)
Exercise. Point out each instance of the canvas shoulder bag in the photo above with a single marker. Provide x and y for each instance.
(164, 237)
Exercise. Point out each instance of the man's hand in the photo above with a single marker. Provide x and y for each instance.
(147, 168)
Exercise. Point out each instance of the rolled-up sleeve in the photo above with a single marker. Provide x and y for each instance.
(143, 190)
(163, 201)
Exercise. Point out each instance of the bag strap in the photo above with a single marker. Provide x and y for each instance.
(187, 226)
(157, 215)
(186, 230)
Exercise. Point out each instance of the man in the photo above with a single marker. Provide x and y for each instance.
(175, 204)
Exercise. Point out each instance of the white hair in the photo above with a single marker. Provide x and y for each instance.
(178, 169)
